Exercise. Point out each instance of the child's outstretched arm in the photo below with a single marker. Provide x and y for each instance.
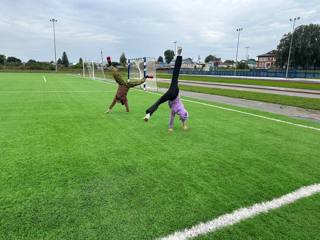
(135, 83)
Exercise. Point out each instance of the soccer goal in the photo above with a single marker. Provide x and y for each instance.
(88, 69)
(139, 68)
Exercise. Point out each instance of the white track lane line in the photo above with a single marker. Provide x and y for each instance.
(243, 213)
(232, 110)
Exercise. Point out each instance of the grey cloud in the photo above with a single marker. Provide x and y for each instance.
(147, 27)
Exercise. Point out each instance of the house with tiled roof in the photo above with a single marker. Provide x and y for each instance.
(267, 60)
(187, 63)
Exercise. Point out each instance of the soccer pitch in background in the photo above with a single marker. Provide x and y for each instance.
(70, 171)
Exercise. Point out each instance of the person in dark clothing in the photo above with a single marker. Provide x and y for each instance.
(173, 91)
(123, 88)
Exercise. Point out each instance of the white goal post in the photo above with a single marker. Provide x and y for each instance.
(88, 69)
(139, 68)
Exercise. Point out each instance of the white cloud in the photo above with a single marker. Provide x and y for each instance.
(211, 36)
(148, 27)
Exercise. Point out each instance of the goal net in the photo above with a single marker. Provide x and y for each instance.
(138, 68)
(88, 69)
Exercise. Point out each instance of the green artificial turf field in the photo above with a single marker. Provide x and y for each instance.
(70, 171)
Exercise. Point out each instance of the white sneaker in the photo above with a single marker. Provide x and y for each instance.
(179, 51)
(146, 117)
(108, 110)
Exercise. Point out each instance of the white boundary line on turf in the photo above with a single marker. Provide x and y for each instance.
(232, 110)
(44, 79)
(255, 115)
(244, 213)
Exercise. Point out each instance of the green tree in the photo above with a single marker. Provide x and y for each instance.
(59, 62)
(65, 60)
(242, 65)
(80, 62)
(2, 59)
(305, 51)
(168, 55)
(34, 65)
(209, 58)
(13, 61)
(230, 62)
(160, 59)
(123, 59)
(31, 61)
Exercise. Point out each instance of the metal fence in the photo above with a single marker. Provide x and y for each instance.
(256, 73)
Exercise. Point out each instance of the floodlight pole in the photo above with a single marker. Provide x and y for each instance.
(101, 57)
(83, 71)
(293, 26)
(102, 68)
(54, 41)
(175, 48)
(238, 30)
(247, 53)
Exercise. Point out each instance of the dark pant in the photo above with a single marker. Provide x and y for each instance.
(173, 90)
(125, 102)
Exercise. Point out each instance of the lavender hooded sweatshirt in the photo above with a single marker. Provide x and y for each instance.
(177, 107)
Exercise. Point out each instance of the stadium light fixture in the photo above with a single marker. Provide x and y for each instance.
(239, 31)
(293, 20)
(54, 41)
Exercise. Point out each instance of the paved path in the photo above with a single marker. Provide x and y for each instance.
(302, 80)
(267, 107)
(252, 88)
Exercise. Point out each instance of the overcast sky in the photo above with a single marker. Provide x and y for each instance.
(147, 27)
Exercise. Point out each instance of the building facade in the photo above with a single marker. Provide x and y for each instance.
(267, 60)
